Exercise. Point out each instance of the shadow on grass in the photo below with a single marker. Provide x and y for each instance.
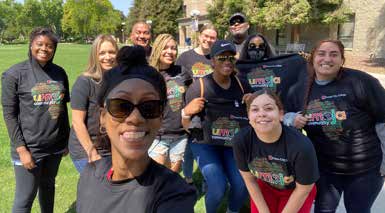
(72, 208)
(198, 181)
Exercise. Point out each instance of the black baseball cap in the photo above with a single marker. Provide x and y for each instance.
(221, 46)
(237, 17)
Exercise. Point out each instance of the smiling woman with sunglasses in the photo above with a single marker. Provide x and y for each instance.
(215, 109)
(132, 97)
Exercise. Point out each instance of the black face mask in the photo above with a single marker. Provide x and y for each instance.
(256, 53)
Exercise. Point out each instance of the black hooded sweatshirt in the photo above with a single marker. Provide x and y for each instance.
(34, 101)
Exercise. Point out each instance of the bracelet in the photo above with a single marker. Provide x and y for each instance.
(184, 116)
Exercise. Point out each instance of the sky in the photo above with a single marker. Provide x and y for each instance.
(122, 5)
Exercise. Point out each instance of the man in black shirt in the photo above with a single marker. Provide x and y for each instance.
(238, 27)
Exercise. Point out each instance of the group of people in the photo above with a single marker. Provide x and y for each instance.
(140, 114)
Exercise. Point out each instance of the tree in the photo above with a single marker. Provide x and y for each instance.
(276, 14)
(10, 29)
(163, 15)
(87, 18)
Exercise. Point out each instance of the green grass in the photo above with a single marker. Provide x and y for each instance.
(73, 58)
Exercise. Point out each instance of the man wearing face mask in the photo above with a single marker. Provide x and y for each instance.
(238, 28)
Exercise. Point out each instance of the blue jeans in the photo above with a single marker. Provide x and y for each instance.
(29, 182)
(218, 168)
(360, 191)
(188, 161)
(80, 164)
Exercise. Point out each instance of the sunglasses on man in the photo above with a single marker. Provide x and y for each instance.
(223, 58)
(121, 108)
(237, 21)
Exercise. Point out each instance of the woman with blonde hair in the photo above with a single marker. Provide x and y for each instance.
(85, 114)
(170, 143)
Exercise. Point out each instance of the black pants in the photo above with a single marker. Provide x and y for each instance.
(29, 182)
(360, 191)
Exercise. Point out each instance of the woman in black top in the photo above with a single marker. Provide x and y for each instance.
(170, 143)
(85, 109)
(34, 98)
(339, 109)
(132, 97)
(277, 163)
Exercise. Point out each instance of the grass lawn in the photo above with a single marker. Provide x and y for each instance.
(73, 58)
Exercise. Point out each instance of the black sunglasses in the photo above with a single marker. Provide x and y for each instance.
(238, 20)
(223, 58)
(120, 108)
(254, 46)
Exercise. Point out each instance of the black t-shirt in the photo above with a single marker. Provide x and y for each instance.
(281, 164)
(342, 116)
(158, 189)
(276, 73)
(84, 98)
(195, 65)
(222, 116)
(176, 89)
(34, 100)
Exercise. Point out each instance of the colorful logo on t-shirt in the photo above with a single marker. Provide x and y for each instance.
(50, 93)
(263, 78)
(200, 69)
(175, 95)
(325, 114)
(224, 129)
(272, 170)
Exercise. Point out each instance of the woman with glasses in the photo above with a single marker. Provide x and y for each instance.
(132, 100)
(34, 97)
(85, 109)
(215, 108)
(170, 144)
(257, 48)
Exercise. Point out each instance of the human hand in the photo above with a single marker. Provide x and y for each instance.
(25, 157)
(300, 121)
(195, 106)
(93, 154)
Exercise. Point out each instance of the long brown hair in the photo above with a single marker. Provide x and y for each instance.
(311, 70)
(159, 44)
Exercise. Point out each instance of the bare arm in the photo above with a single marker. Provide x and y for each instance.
(297, 198)
(255, 192)
(84, 138)
(192, 108)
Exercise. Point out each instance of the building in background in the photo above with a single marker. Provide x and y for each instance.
(363, 34)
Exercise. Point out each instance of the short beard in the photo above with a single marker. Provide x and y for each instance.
(240, 34)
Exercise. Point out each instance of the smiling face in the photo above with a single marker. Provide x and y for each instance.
(264, 115)
(223, 68)
(168, 54)
(131, 137)
(239, 29)
(107, 55)
(42, 49)
(207, 38)
(141, 35)
(327, 61)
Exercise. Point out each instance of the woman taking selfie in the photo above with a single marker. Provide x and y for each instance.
(132, 98)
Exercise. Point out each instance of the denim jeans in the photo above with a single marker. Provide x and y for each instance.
(218, 168)
(360, 191)
(29, 182)
(80, 164)
(188, 161)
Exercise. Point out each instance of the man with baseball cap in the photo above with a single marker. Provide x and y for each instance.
(238, 27)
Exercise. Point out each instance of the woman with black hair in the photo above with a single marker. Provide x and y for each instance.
(257, 48)
(34, 99)
(132, 100)
(340, 109)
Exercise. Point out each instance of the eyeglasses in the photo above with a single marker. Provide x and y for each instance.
(236, 20)
(254, 46)
(223, 58)
(120, 108)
